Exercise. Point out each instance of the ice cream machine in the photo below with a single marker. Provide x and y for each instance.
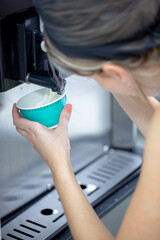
(92, 133)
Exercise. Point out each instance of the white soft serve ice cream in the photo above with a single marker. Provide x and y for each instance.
(38, 98)
(47, 97)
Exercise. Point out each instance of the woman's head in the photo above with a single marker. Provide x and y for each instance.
(83, 25)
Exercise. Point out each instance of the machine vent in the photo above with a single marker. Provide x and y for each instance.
(23, 233)
(116, 165)
(102, 175)
(35, 223)
(119, 159)
(96, 179)
(14, 237)
(108, 170)
(55, 220)
(108, 167)
(32, 229)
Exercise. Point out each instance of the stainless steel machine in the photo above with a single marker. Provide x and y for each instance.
(102, 137)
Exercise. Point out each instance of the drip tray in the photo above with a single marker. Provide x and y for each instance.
(46, 218)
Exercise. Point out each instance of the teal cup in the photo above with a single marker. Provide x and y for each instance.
(43, 106)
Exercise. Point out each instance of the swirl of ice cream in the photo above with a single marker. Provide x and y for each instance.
(47, 97)
(37, 99)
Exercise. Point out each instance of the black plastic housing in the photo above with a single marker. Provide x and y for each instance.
(21, 53)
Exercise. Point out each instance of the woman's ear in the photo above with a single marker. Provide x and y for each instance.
(118, 72)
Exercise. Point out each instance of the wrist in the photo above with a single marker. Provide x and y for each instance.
(61, 169)
(57, 159)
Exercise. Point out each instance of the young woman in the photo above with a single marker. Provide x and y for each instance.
(117, 43)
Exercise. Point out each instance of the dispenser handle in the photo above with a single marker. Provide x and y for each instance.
(47, 82)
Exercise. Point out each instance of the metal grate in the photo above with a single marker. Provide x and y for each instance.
(95, 180)
(28, 230)
(35, 223)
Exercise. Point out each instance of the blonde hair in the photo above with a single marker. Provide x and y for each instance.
(86, 67)
(94, 23)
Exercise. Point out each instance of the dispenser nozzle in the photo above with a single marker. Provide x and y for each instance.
(47, 82)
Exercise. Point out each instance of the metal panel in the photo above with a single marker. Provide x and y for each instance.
(123, 130)
(10, 7)
(91, 108)
(94, 186)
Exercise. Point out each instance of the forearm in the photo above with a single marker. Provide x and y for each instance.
(82, 219)
(139, 111)
(142, 220)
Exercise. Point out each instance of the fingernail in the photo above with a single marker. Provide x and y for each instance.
(68, 108)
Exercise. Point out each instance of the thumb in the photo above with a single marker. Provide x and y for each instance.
(65, 116)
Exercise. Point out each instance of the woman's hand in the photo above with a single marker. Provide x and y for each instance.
(52, 144)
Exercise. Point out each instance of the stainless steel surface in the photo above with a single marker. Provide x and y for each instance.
(96, 180)
(113, 219)
(90, 119)
(37, 178)
(91, 108)
(123, 131)
(16, 152)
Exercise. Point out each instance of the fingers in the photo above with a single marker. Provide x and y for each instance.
(20, 122)
(15, 111)
(65, 116)
(22, 132)
(23, 124)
